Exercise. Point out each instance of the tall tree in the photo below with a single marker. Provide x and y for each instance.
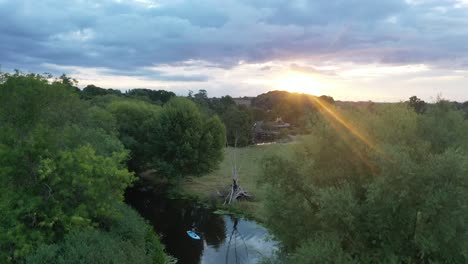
(186, 141)
(417, 104)
(238, 124)
(137, 122)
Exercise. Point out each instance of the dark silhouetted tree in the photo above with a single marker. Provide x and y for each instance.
(417, 104)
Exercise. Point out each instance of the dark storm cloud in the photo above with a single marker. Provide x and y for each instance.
(129, 35)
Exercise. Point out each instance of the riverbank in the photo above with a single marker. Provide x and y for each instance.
(224, 238)
(249, 161)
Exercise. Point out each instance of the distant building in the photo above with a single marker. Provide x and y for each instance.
(263, 135)
(246, 101)
(268, 131)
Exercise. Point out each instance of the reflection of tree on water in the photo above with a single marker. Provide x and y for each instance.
(173, 217)
(221, 238)
(233, 241)
(213, 228)
(210, 227)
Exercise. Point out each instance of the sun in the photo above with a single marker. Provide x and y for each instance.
(298, 82)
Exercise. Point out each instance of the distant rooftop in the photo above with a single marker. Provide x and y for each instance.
(247, 101)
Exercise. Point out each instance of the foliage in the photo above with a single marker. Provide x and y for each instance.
(91, 91)
(238, 120)
(291, 107)
(129, 240)
(201, 99)
(238, 124)
(58, 169)
(417, 104)
(380, 186)
(322, 248)
(136, 122)
(222, 104)
(464, 107)
(158, 97)
(187, 142)
(444, 126)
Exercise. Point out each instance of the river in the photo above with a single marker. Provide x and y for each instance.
(224, 238)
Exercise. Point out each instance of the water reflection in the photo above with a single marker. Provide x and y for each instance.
(224, 239)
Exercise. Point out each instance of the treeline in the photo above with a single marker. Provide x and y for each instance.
(239, 119)
(420, 106)
(381, 184)
(67, 156)
(293, 108)
(154, 96)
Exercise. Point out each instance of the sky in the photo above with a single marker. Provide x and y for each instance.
(386, 50)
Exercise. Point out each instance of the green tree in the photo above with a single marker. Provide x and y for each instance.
(417, 104)
(58, 169)
(158, 97)
(202, 100)
(221, 105)
(238, 120)
(444, 126)
(465, 109)
(91, 91)
(129, 240)
(186, 141)
(238, 126)
(373, 187)
(291, 107)
(136, 122)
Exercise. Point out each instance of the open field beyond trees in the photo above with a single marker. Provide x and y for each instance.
(249, 160)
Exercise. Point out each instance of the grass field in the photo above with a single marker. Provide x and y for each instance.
(249, 164)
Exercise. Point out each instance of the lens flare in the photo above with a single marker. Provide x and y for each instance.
(336, 120)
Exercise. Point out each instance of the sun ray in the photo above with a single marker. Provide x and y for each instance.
(334, 116)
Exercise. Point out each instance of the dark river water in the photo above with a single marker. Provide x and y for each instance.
(224, 239)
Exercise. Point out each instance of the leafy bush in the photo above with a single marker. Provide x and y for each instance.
(59, 170)
(380, 186)
(129, 240)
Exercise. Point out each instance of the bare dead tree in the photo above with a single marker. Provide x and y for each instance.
(235, 191)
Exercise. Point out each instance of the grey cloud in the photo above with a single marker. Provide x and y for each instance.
(304, 12)
(157, 75)
(128, 35)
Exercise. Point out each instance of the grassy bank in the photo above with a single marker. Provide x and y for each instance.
(249, 164)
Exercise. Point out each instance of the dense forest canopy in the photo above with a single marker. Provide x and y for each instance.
(65, 157)
(381, 185)
(368, 182)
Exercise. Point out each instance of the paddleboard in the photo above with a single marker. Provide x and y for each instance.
(193, 235)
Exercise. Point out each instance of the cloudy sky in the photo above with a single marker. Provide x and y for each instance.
(384, 50)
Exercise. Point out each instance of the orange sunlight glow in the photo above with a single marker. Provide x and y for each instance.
(335, 119)
(298, 82)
